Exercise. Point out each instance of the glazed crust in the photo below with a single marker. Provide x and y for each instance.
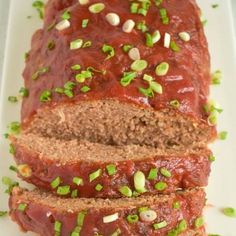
(187, 80)
(40, 215)
(187, 171)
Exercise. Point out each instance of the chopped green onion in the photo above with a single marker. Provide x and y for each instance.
(230, 212)
(204, 21)
(85, 23)
(69, 93)
(78, 181)
(40, 71)
(132, 219)
(12, 99)
(149, 40)
(126, 191)
(99, 187)
(56, 182)
(139, 65)
(51, 45)
(111, 169)
(134, 8)
(165, 172)
(87, 44)
(158, 2)
(182, 225)
(13, 168)
(160, 225)
(92, 69)
(108, 50)
(85, 74)
(127, 47)
(153, 174)
(26, 55)
(9, 183)
(12, 149)
(223, 135)
(69, 85)
(14, 128)
(175, 103)
(76, 67)
(142, 26)
(146, 92)
(216, 77)
(174, 46)
(141, 209)
(95, 175)
(39, 6)
(74, 193)
(176, 205)
(65, 15)
(96, 8)
(156, 87)
(85, 89)
(24, 92)
(148, 215)
(215, 5)
(127, 78)
(45, 96)
(139, 182)
(164, 16)
(57, 226)
(148, 78)
(156, 36)
(3, 213)
(160, 186)
(59, 90)
(80, 218)
(76, 44)
(212, 158)
(63, 190)
(116, 233)
(199, 222)
(162, 69)
(22, 207)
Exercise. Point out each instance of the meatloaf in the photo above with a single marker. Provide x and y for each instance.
(50, 163)
(47, 215)
(119, 73)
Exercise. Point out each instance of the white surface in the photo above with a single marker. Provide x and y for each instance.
(222, 187)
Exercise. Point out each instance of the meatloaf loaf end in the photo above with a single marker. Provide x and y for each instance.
(84, 81)
(47, 215)
(97, 170)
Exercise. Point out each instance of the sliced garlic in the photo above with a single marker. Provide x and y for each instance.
(167, 40)
(64, 24)
(110, 218)
(148, 216)
(113, 19)
(185, 36)
(128, 26)
(134, 54)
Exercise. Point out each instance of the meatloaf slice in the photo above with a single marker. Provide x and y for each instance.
(83, 83)
(97, 170)
(48, 215)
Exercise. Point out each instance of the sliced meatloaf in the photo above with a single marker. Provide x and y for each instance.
(97, 170)
(144, 80)
(47, 215)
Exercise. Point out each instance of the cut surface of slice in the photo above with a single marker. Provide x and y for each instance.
(47, 215)
(97, 170)
(115, 123)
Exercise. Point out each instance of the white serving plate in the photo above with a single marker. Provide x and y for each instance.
(220, 34)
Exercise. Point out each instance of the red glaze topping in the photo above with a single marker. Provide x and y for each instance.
(40, 218)
(186, 172)
(187, 79)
